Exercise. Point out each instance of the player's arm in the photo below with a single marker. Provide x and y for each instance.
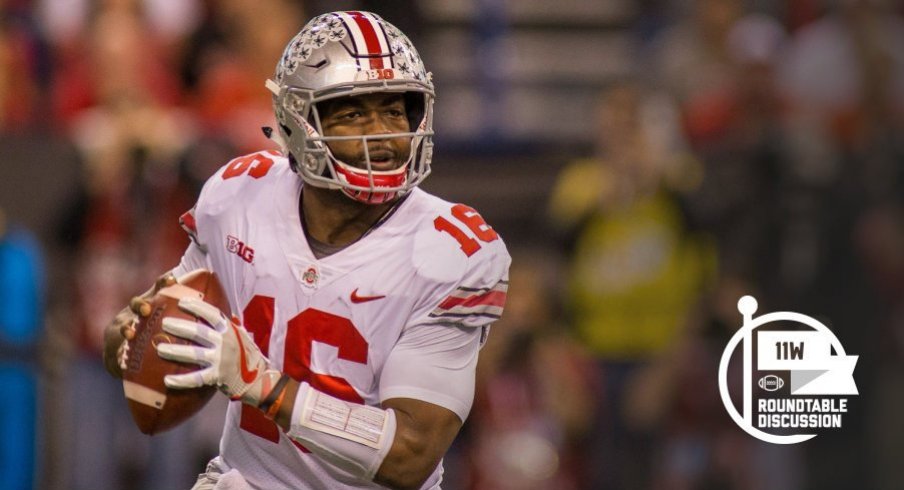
(428, 381)
(424, 432)
(397, 445)
(426, 388)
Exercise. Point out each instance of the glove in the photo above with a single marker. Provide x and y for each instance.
(228, 355)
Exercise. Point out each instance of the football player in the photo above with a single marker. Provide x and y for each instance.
(359, 302)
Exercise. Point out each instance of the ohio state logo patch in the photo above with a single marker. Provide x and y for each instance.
(310, 277)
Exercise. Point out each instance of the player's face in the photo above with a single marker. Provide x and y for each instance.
(371, 114)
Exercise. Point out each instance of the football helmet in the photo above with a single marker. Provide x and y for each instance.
(343, 54)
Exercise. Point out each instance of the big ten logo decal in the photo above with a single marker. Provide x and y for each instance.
(238, 247)
(381, 74)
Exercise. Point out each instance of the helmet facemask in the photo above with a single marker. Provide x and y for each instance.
(296, 102)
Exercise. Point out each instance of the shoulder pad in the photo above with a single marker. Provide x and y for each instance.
(243, 177)
(464, 266)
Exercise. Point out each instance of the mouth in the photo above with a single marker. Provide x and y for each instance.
(381, 160)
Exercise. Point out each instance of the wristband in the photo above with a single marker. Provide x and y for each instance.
(275, 396)
(274, 409)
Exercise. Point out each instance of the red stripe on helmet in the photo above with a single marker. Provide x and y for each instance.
(366, 25)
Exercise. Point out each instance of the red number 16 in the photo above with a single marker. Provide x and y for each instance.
(469, 217)
(305, 328)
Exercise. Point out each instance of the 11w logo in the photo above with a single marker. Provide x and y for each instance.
(238, 247)
(788, 350)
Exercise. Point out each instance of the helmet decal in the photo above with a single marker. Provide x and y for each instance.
(371, 39)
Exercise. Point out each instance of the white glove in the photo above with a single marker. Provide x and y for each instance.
(228, 355)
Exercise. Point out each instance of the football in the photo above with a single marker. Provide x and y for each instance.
(771, 382)
(156, 408)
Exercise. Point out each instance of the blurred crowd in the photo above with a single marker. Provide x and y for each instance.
(756, 148)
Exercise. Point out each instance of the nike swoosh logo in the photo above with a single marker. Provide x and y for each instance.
(248, 375)
(364, 299)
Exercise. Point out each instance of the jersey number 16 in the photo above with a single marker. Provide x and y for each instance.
(473, 221)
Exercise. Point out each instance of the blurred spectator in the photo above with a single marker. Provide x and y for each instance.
(634, 270)
(744, 153)
(866, 132)
(22, 68)
(21, 330)
(794, 146)
(691, 62)
(844, 78)
(116, 62)
(697, 445)
(845, 71)
(536, 393)
(120, 231)
(880, 240)
(67, 20)
(229, 59)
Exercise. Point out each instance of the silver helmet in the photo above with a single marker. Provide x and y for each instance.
(343, 54)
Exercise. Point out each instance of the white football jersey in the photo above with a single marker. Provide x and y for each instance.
(401, 312)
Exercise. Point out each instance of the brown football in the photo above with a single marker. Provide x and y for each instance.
(156, 408)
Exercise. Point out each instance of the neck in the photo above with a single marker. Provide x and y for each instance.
(333, 218)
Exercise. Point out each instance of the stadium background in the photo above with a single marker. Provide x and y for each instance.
(647, 162)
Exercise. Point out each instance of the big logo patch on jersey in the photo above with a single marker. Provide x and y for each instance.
(238, 247)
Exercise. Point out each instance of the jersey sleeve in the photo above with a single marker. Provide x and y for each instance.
(227, 186)
(189, 224)
(436, 364)
(457, 288)
(194, 258)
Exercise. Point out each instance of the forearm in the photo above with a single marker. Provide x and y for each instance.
(412, 457)
(350, 436)
(414, 448)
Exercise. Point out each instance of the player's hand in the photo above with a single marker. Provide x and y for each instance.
(127, 331)
(141, 305)
(227, 354)
(122, 329)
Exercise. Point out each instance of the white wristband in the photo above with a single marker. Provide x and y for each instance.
(354, 437)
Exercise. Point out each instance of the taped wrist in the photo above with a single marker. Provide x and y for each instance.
(353, 437)
(273, 400)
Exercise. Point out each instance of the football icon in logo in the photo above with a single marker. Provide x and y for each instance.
(771, 382)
